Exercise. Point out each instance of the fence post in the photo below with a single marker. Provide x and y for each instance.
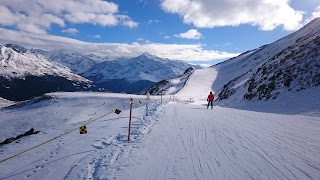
(131, 103)
(161, 93)
(147, 109)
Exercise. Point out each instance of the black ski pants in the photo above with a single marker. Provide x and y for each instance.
(210, 103)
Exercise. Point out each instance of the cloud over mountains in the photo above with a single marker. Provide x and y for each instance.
(267, 14)
(37, 16)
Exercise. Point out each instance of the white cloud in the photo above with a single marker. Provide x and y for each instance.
(266, 14)
(31, 28)
(93, 18)
(126, 21)
(130, 24)
(140, 39)
(314, 15)
(97, 36)
(153, 21)
(226, 44)
(167, 37)
(186, 52)
(191, 34)
(70, 31)
(37, 16)
(7, 17)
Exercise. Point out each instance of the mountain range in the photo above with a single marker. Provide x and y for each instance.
(135, 75)
(122, 75)
(28, 73)
(25, 74)
(77, 62)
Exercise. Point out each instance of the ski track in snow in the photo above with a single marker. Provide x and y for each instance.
(199, 84)
(228, 144)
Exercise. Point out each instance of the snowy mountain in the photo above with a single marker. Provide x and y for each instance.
(5, 102)
(77, 62)
(24, 74)
(290, 64)
(134, 75)
(130, 75)
(171, 86)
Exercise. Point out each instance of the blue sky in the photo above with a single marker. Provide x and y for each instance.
(202, 31)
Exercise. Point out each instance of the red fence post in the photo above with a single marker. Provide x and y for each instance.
(131, 103)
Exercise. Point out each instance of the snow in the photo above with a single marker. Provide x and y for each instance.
(191, 142)
(148, 77)
(174, 85)
(175, 140)
(144, 67)
(5, 102)
(77, 62)
(198, 85)
(21, 64)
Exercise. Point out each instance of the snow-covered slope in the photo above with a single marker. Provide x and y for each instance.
(18, 62)
(134, 75)
(5, 102)
(77, 62)
(171, 86)
(286, 66)
(24, 74)
(289, 64)
(198, 85)
(176, 140)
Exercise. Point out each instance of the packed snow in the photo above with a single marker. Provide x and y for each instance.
(178, 139)
(198, 85)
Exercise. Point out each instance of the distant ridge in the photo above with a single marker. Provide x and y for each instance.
(134, 75)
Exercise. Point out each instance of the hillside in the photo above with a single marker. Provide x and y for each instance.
(171, 86)
(290, 64)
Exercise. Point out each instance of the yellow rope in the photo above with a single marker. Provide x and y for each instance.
(3, 160)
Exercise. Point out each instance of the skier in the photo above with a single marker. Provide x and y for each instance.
(210, 100)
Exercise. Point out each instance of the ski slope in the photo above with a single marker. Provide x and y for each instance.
(191, 142)
(179, 139)
(198, 85)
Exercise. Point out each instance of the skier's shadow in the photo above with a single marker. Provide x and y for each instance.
(205, 106)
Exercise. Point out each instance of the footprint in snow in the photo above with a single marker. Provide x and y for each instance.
(39, 167)
(101, 144)
(29, 175)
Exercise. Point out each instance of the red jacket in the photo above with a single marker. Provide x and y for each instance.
(210, 97)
